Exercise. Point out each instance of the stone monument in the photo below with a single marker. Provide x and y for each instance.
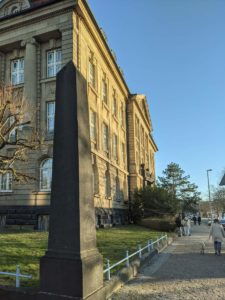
(72, 266)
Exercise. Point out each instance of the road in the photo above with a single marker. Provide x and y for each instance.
(180, 272)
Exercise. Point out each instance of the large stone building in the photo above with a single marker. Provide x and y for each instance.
(37, 38)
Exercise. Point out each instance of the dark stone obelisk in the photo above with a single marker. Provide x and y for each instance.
(72, 265)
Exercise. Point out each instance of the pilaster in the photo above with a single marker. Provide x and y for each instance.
(30, 70)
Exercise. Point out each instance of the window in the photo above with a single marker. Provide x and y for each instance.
(92, 74)
(54, 59)
(114, 106)
(13, 132)
(105, 137)
(46, 175)
(17, 71)
(122, 118)
(95, 179)
(137, 128)
(104, 91)
(123, 152)
(115, 141)
(6, 182)
(107, 186)
(93, 125)
(118, 192)
(50, 116)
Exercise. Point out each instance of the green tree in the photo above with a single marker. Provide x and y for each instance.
(177, 183)
(150, 201)
(173, 180)
(219, 199)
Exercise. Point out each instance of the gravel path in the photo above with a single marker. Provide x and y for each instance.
(180, 272)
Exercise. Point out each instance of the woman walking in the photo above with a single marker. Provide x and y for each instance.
(217, 233)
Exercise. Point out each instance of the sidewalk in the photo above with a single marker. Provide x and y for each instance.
(180, 272)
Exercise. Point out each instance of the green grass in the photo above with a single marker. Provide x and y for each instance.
(26, 247)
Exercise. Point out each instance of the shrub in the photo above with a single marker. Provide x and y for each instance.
(161, 224)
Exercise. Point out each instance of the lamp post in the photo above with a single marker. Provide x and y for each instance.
(209, 170)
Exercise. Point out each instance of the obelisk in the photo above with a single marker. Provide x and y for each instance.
(72, 265)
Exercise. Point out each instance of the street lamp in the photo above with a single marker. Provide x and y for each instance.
(209, 170)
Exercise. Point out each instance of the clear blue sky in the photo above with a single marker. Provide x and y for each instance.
(173, 51)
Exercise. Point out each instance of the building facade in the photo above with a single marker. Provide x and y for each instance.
(37, 39)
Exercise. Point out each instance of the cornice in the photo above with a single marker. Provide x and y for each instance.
(88, 19)
(37, 15)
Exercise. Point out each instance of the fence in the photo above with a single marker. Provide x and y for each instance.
(18, 275)
(139, 252)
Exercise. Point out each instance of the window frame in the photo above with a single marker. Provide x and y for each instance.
(48, 189)
(8, 183)
(54, 64)
(19, 72)
(93, 126)
(105, 137)
(50, 117)
(92, 73)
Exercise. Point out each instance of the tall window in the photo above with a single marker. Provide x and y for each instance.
(17, 71)
(46, 175)
(93, 132)
(54, 60)
(123, 152)
(136, 127)
(50, 116)
(115, 143)
(105, 130)
(92, 73)
(6, 182)
(118, 192)
(13, 132)
(104, 91)
(95, 179)
(107, 185)
(114, 106)
(122, 116)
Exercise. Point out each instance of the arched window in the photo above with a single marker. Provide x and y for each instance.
(46, 174)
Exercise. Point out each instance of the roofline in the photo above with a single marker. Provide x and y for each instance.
(30, 9)
(105, 43)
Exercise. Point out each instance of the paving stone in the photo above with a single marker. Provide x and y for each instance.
(180, 272)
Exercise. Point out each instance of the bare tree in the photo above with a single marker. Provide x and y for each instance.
(18, 134)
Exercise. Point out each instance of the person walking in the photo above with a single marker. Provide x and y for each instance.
(179, 225)
(217, 234)
(199, 220)
(185, 225)
(194, 219)
(188, 227)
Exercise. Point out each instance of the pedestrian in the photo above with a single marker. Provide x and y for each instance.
(179, 225)
(188, 227)
(199, 220)
(217, 234)
(185, 225)
(194, 219)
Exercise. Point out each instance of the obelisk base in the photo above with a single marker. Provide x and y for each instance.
(69, 276)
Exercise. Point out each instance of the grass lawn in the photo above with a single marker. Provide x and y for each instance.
(26, 247)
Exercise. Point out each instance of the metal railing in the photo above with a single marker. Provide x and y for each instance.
(126, 260)
(18, 275)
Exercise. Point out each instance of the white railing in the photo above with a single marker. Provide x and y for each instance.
(17, 275)
(149, 247)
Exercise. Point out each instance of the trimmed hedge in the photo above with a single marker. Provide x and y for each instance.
(158, 224)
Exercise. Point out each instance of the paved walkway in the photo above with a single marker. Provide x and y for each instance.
(180, 272)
